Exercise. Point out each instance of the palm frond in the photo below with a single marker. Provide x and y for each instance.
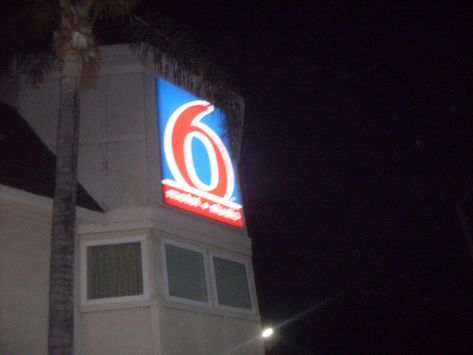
(25, 38)
(174, 55)
(112, 9)
(90, 70)
(35, 65)
(155, 39)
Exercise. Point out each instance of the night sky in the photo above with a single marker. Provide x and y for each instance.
(357, 149)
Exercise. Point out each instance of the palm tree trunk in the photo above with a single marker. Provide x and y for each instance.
(61, 285)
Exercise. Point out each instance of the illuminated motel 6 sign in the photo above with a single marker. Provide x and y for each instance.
(198, 172)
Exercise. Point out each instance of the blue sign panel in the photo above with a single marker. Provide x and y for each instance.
(198, 172)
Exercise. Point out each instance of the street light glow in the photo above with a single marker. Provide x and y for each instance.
(267, 332)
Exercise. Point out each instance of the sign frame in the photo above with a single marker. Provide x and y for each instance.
(198, 171)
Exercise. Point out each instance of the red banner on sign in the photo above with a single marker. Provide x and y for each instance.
(221, 211)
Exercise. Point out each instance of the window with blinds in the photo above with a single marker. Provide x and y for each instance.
(114, 270)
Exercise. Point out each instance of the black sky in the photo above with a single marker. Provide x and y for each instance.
(357, 148)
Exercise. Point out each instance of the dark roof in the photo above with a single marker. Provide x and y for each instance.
(26, 163)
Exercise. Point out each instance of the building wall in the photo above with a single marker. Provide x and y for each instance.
(24, 277)
(166, 326)
(119, 166)
(25, 229)
(112, 165)
(119, 332)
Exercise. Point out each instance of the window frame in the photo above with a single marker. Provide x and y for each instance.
(204, 253)
(249, 275)
(113, 241)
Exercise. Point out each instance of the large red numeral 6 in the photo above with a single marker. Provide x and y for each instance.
(183, 126)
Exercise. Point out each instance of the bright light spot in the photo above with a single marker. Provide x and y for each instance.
(267, 332)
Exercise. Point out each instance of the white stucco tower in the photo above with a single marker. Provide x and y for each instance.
(151, 277)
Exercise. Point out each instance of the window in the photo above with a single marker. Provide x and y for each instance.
(188, 280)
(231, 281)
(185, 273)
(113, 270)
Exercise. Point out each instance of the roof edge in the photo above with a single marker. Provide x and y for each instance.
(46, 203)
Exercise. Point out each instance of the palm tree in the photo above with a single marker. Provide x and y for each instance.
(76, 50)
(73, 45)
